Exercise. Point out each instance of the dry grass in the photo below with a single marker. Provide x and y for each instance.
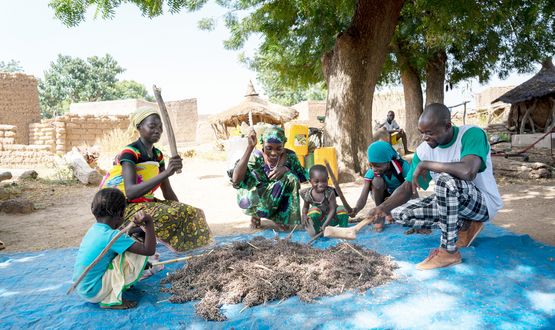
(112, 142)
(264, 270)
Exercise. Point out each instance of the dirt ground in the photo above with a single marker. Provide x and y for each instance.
(64, 211)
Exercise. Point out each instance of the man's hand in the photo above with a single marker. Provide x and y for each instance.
(175, 163)
(419, 171)
(375, 213)
(278, 172)
(142, 218)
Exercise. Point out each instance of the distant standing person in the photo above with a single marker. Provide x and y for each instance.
(458, 159)
(394, 130)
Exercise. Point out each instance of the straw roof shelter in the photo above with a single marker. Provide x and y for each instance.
(260, 109)
(533, 102)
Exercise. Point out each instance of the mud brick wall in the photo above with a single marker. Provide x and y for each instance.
(184, 118)
(61, 134)
(7, 134)
(43, 133)
(20, 155)
(19, 103)
(88, 129)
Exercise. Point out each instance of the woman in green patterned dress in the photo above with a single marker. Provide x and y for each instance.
(268, 181)
(140, 169)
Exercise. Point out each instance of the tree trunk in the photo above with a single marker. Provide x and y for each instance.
(352, 70)
(435, 78)
(412, 90)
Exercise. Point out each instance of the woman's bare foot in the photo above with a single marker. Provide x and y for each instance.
(125, 304)
(255, 222)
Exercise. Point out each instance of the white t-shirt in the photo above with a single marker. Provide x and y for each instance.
(390, 126)
(468, 140)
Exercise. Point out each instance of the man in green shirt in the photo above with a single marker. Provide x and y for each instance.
(466, 195)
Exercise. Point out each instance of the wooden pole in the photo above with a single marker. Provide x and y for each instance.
(171, 261)
(167, 122)
(464, 113)
(337, 188)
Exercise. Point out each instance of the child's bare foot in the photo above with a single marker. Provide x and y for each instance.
(125, 304)
(283, 227)
(255, 222)
(379, 224)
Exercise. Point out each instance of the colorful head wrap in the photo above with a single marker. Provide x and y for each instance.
(381, 152)
(273, 134)
(138, 116)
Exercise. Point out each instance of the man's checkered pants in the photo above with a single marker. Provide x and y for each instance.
(453, 201)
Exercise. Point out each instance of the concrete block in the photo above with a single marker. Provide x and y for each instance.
(524, 140)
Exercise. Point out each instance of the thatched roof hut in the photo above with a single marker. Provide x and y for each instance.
(261, 110)
(533, 102)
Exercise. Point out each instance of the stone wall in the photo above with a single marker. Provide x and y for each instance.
(61, 134)
(19, 103)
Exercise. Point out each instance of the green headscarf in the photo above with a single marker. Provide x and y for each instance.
(381, 152)
(273, 134)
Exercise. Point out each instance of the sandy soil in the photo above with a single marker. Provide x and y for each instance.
(64, 211)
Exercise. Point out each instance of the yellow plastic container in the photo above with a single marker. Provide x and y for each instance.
(301, 160)
(297, 139)
(329, 154)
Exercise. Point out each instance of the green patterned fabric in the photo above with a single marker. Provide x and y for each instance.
(277, 200)
(273, 134)
(341, 218)
(179, 226)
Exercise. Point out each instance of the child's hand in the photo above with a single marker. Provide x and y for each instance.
(354, 212)
(142, 218)
(310, 227)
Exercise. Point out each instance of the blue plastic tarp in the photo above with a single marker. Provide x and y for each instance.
(506, 281)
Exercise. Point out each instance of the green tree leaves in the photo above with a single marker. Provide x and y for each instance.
(11, 66)
(71, 79)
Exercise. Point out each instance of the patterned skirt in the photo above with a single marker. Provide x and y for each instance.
(277, 201)
(179, 226)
